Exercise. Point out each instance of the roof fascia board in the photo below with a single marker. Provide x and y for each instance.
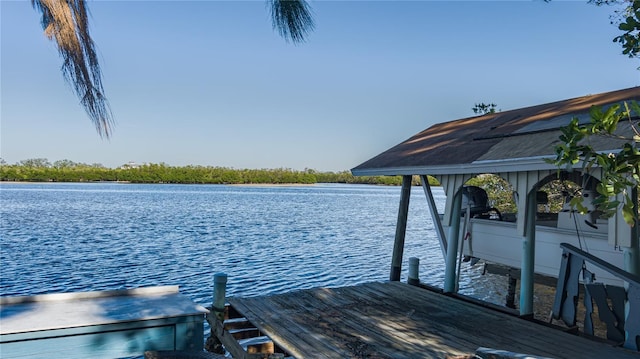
(487, 166)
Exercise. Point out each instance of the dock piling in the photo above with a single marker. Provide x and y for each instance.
(414, 264)
(219, 294)
(213, 344)
(401, 229)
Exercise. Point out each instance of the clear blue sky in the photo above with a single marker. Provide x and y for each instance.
(209, 82)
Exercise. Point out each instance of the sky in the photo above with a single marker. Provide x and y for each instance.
(210, 83)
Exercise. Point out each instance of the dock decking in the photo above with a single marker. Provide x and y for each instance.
(396, 320)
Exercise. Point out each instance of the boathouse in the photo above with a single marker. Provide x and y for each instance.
(514, 145)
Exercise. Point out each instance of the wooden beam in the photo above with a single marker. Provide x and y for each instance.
(500, 269)
(401, 229)
(604, 265)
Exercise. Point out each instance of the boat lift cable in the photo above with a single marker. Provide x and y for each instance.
(467, 234)
(575, 223)
(586, 249)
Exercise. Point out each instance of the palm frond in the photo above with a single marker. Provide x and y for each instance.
(65, 23)
(292, 19)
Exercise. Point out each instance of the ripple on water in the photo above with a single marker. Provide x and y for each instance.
(101, 236)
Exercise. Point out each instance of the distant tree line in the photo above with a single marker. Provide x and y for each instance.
(41, 170)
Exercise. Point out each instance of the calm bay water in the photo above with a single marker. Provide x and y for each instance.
(64, 237)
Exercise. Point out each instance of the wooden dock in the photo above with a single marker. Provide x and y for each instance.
(396, 320)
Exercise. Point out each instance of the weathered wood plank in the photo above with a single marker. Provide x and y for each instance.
(282, 327)
(395, 320)
(244, 333)
(237, 323)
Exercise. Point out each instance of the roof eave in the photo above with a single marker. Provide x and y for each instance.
(487, 166)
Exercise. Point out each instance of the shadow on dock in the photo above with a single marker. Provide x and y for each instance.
(397, 320)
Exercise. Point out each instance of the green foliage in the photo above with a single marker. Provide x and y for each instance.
(498, 190)
(36, 163)
(41, 170)
(621, 170)
(557, 191)
(628, 21)
(630, 38)
(484, 108)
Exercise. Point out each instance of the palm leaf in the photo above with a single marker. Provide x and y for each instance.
(292, 19)
(65, 22)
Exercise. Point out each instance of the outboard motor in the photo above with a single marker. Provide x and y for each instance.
(478, 201)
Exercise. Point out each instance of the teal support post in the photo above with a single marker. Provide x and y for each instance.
(450, 285)
(632, 254)
(401, 230)
(528, 256)
(633, 260)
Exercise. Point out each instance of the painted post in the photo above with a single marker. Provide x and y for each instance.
(414, 264)
(632, 265)
(632, 253)
(401, 229)
(452, 244)
(219, 294)
(213, 344)
(528, 255)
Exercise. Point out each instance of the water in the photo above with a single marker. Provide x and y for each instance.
(63, 237)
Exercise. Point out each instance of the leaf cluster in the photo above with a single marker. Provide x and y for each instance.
(630, 38)
(484, 108)
(66, 23)
(621, 169)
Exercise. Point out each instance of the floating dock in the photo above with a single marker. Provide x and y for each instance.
(397, 320)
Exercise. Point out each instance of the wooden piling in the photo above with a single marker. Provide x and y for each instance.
(219, 294)
(213, 344)
(401, 228)
(414, 264)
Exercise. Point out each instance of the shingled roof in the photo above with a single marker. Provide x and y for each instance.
(516, 140)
